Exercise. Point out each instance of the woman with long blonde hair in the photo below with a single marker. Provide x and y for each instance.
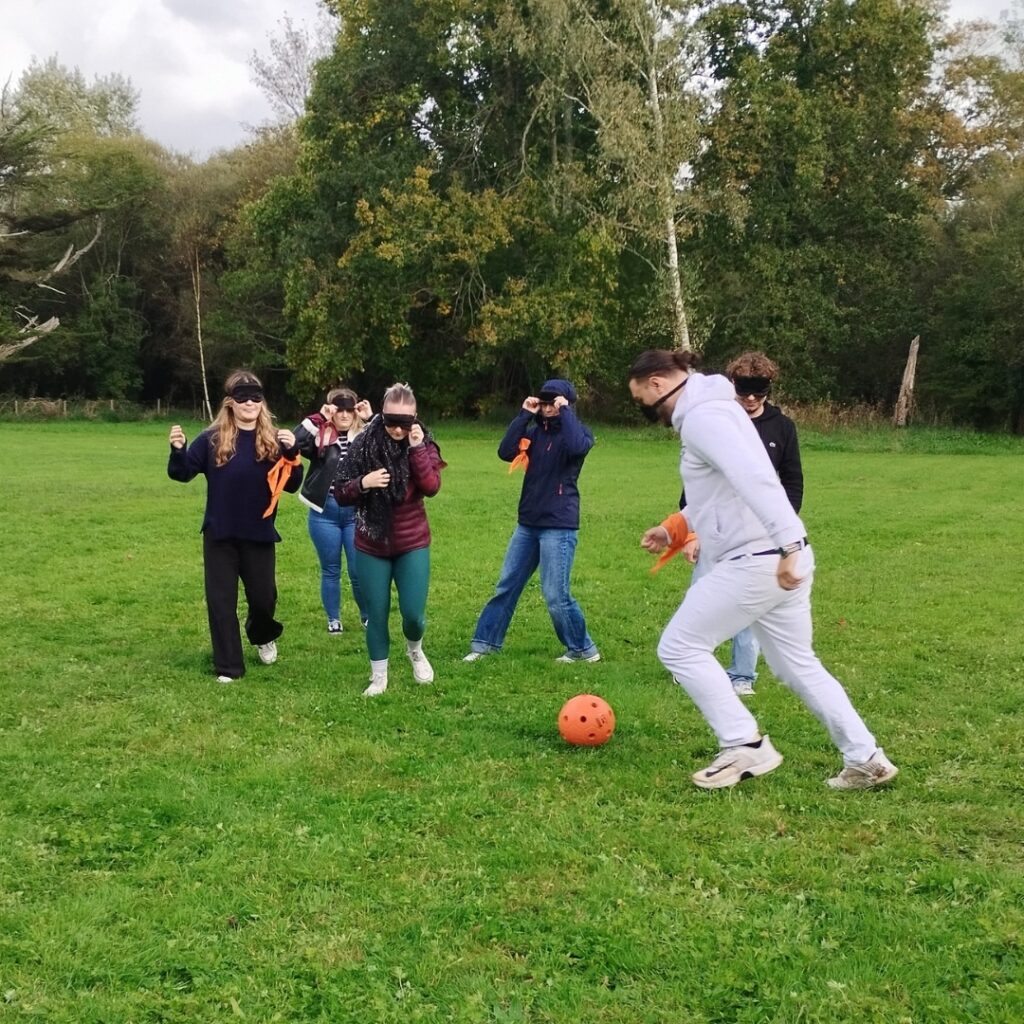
(247, 463)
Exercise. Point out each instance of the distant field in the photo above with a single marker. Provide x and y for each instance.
(172, 850)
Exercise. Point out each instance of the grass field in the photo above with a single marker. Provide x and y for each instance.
(172, 850)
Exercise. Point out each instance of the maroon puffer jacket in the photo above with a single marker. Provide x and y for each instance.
(409, 528)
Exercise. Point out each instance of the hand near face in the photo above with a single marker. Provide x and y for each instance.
(286, 439)
(327, 410)
(177, 437)
(560, 401)
(376, 478)
(532, 404)
(415, 435)
(363, 410)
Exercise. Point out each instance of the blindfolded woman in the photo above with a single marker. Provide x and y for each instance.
(389, 469)
(247, 463)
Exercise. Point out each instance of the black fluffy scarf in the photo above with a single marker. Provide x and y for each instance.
(373, 448)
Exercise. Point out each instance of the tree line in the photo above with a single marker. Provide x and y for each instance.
(476, 194)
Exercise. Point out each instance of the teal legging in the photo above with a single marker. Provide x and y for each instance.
(411, 573)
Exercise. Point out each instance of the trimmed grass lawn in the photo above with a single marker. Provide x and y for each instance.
(173, 850)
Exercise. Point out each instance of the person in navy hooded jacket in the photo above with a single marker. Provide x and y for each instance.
(550, 442)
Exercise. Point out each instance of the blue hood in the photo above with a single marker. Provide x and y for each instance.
(560, 387)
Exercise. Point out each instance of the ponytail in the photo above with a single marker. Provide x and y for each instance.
(657, 361)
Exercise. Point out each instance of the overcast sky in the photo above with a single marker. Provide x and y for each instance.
(188, 58)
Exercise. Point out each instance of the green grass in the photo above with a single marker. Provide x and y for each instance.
(172, 850)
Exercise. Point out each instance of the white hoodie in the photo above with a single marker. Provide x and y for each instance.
(734, 501)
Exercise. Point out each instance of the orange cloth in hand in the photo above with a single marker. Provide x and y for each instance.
(679, 534)
(522, 459)
(277, 477)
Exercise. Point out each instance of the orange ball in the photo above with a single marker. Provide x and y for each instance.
(586, 721)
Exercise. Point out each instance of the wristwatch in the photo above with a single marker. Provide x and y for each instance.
(792, 549)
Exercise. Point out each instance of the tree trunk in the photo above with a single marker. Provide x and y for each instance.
(196, 294)
(905, 402)
(680, 327)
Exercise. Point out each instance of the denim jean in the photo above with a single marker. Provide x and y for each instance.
(333, 531)
(745, 648)
(553, 551)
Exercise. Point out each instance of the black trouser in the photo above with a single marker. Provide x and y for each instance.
(225, 562)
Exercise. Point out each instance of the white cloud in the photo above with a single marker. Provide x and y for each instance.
(188, 58)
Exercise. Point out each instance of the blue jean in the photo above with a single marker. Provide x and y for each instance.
(554, 551)
(333, 531)
(745, 648)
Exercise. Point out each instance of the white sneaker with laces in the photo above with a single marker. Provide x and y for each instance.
(475, 656)
(867, 774)
(378, 684)
(422, 670)
(267, 653)
(734, 764)
(568, 659)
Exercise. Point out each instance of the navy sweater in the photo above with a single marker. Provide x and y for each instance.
(237, 493)
(558, 446)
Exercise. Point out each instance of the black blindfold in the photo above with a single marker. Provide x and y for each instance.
(246, 393)
(344, 403)
(756, 386)
(398, 420)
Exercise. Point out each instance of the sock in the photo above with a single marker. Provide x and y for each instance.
(415, 646)
(379, 668)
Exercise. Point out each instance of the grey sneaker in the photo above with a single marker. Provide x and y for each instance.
(267, 653)
(734, 764)
(475, 656)
(568, 659)
(378, 684)
(743, 688)
(422, 670)
(867, 774)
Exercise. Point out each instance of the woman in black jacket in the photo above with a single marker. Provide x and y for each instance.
(323, 438)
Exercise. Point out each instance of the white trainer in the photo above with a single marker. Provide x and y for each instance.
(734, 764)
(422, 670)
(225, 679)
(267, 653)
(378, 684)
(475, 656)
(568, 659)
(867, 774)
(743, 688)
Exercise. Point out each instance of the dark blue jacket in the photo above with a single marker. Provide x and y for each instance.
(238, 492)
(558, 446)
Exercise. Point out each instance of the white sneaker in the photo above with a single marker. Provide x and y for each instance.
(378, 684)
(422, 670)
(743, 688)
(475, 656)
(866, 775)
(225, 679)
(568, 659)
(334, 626)
(267, 653)
(734, 764)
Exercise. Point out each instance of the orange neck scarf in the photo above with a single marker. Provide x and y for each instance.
(522, 459)
(277, 477)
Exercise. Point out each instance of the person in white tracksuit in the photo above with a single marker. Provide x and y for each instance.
(762, 573)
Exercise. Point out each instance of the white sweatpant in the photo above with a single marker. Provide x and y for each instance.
(741, 593)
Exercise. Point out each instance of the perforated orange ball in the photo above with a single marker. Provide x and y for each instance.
(586, 721)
